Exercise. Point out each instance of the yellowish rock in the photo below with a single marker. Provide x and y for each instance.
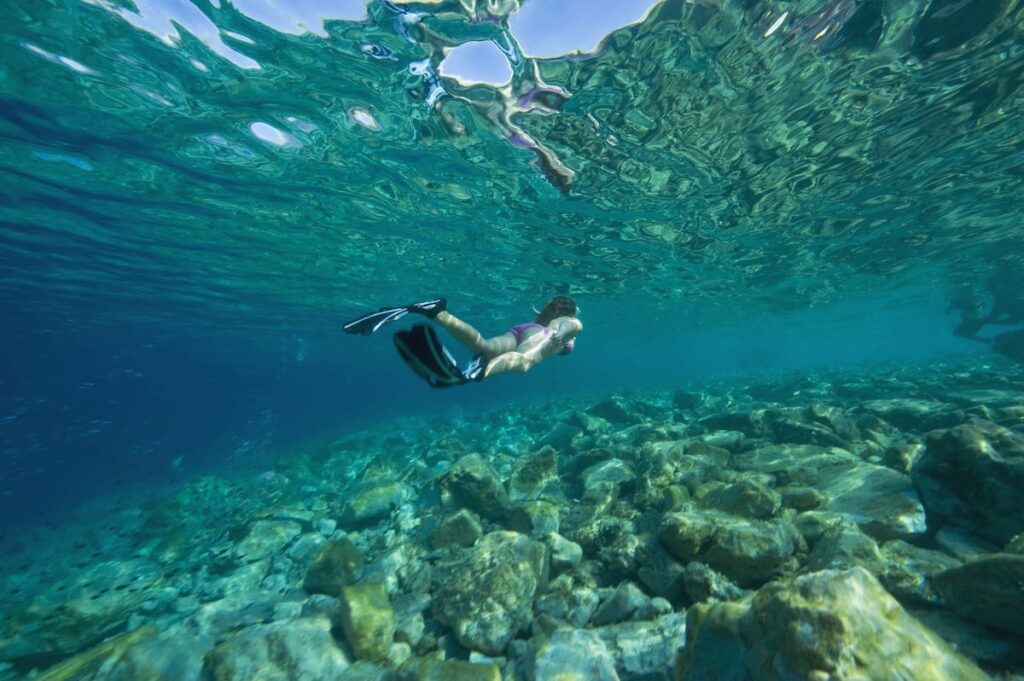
(368, 620)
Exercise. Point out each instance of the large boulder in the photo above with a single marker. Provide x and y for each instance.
(486, 592)
(972, 477)
(748, 551)
(282, 651)
(882, 501)
(989, 590)
(474, 484)
(841, 626)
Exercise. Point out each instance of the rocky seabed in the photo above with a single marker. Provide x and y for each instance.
(828, 527)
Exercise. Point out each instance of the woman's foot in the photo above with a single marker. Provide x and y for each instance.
(474, 371)
(429, 308)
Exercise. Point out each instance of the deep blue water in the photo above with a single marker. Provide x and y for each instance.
(105, 411)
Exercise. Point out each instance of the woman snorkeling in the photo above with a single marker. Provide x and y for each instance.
(523, 347)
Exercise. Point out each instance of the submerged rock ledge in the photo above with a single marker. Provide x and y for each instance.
(837, 526)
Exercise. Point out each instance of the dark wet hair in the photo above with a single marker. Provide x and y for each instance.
(559, 306)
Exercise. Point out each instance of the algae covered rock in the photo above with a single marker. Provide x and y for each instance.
(661, 574)
(336, 565)
(534, 518)
(565, 554)
(963, 545)
(989, 590)
(749, 551)
(845, 546)
(971, 477)
(280, 651)
(685, 399)
(747, 498)
(368, 620)
(613, 471)
(461, 528)
(841, 626)
(616, 410)
(430, 669)
(620, 606)
(754, 552)
(702, 584)
(536, 476)
(802, 498)
(373, 504)
(686, 534)
(486, 593)
(473, 483)
(909, 570)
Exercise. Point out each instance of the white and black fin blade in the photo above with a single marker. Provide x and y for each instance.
(369, 323)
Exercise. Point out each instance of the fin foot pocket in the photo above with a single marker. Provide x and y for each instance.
(421, 349)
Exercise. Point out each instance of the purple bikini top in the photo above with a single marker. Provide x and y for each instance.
(519, 329)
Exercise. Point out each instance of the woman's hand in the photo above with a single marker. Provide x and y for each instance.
(564, 330)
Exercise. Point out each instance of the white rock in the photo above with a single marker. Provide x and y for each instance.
(571, 655)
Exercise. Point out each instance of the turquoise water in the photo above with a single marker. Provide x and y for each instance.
(197, 194)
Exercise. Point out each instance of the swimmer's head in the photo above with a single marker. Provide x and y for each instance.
(559, 306)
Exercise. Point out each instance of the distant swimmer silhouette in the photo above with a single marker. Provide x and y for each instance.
(1007, 309)
(552, 332)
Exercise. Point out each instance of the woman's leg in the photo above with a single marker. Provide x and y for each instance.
(471, 338)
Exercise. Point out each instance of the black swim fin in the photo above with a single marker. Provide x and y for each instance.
(423, 352)
(369, 323)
